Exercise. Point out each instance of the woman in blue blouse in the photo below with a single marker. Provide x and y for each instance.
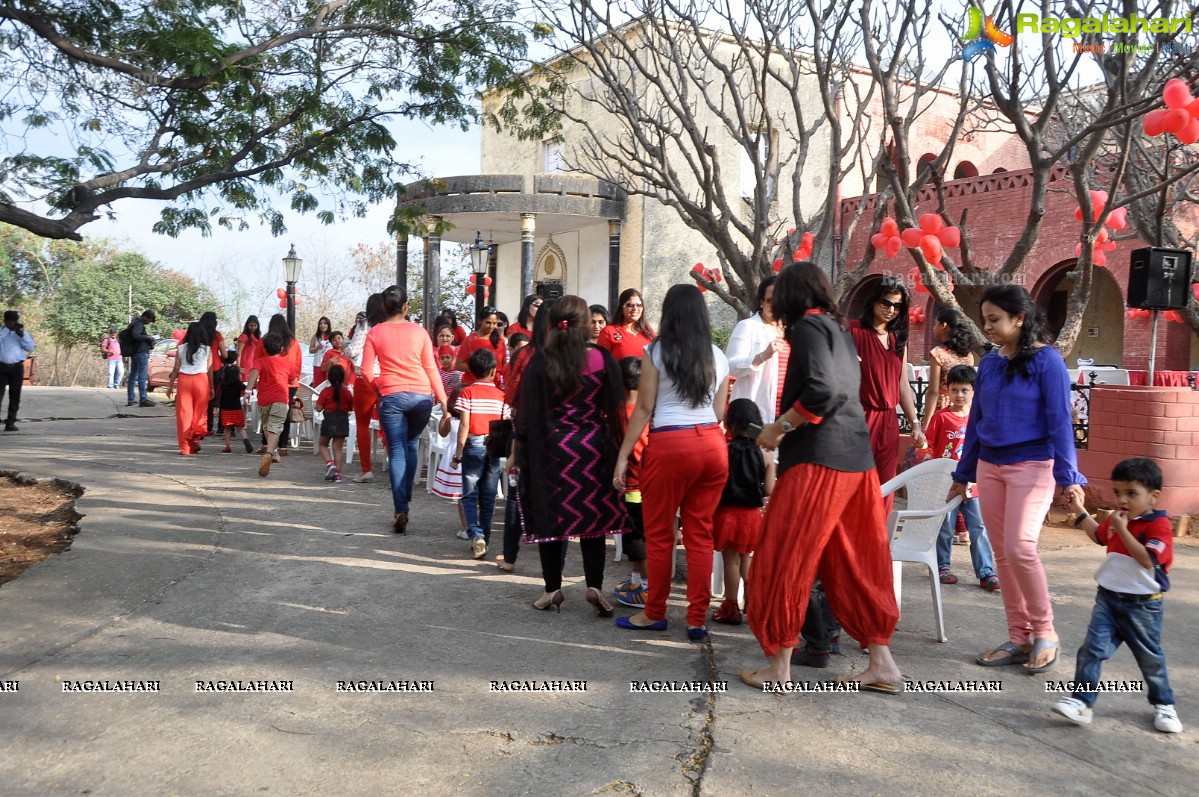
(1019, 442)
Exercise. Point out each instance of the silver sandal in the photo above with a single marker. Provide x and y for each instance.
(1014, 656)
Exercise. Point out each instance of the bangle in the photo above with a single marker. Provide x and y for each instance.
(1078, 520)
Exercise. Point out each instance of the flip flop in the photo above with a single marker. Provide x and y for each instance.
(1014, 656)
(882, 687)
(1038, 646)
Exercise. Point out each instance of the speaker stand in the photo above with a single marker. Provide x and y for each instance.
(1152, 348)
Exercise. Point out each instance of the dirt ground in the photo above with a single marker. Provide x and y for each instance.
(37, 520)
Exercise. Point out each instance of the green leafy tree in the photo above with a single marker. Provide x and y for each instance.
(95, 295)
(222, 107)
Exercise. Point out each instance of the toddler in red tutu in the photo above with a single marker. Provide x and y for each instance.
(738, 524)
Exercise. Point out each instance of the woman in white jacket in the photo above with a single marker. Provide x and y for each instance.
(757, 354)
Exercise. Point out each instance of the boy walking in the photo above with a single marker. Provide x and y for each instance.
(271, 375)
(1128, 604)
(479, 404)
(945, 435)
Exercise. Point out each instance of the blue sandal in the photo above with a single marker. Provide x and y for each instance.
(1039, 646)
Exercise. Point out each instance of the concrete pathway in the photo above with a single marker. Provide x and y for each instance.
(193, 570)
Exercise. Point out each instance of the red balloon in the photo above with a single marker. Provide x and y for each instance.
(702, 289)
(1130, 314)
(1195, 290)
(1189, 134)
(950, 236)
(281, 293)
(777, 265)
(931, 223)
(1099, 258)
(889, 227)
(178, 334)
(698, 268)
(470, 289)
(283, 304)
(921, 287)
(893, 246)
(1176, 121)
(911, 237)
(878, 240)
(1118, 219)
(931, 246)
(487, 280)
(1175, 316)
(1154, 124)
(1177, 93)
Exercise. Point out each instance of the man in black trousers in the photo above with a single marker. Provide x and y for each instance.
(15, 347)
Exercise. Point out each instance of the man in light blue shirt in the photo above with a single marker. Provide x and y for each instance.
(15, 346)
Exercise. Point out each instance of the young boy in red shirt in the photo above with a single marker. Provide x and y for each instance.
(271, 375)
(632, 591)
(479, 404)
(1128, 605)
(945, 434)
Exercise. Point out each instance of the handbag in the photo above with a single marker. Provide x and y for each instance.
(296, 414)
(499, 438)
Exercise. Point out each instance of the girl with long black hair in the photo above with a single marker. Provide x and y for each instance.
(1019, 442)
(683, 393)
(193, 372)
(955, 347)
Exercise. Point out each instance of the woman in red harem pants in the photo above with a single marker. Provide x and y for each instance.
(881, 338)
(193, 374)
(824, 518)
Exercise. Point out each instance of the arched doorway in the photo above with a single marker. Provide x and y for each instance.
(1102, 335)
(965, 170)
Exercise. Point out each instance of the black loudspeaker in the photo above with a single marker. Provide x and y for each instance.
(550, 290)
(1159, 279)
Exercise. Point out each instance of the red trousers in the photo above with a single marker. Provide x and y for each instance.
(191, 408)
(681, 470)
(826, 523)
(365, 400)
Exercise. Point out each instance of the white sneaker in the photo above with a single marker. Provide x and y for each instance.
(463, 534)
(1165, 719)
(361, 478)
(1075, 710)
(330, 470)
(478, 548)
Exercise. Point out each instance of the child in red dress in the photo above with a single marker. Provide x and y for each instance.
(336, 402)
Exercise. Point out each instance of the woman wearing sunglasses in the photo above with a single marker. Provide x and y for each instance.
(881, 337)
(527, 316)
(629, 333)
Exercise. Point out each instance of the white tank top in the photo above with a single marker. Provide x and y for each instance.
(200, 364)
(670, 409)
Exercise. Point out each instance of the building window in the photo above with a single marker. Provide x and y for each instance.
(552, 160)
(767, 159)
(965, 170)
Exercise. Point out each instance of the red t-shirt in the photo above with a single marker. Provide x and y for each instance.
(218, 348)
(335, 357)
(1119, 571)
(621, 343)
(274, 374)
(946, 433)
(344, 403)
(473, 343)
(485, 403)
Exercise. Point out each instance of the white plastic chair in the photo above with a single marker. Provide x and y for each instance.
(913, 531)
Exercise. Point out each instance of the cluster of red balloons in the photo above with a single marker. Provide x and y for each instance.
(474, 281)
(1117, 220)
(1180, 117)
(931, 237)
(916, 315)
(699, 271)
(807, 242)
(1170, 315)
(282, 294)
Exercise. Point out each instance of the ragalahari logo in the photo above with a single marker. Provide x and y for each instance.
(982, 35)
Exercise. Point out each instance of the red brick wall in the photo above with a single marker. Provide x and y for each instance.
(1157, 422)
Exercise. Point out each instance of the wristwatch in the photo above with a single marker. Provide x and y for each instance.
(786, 425)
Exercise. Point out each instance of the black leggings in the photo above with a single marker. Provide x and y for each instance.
(634, 541)
(553, 554)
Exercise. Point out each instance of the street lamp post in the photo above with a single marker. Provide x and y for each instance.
(479, 252)
(291, 273)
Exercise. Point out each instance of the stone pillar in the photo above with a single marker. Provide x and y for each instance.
(402, 260)
(613, 265)
(528, 228)
(432, 293)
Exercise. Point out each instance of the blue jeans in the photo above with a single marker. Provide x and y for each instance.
(480, 478)
(403, 417)
(139, 374)
(1136, 623)
(981, 554)
(115, 371)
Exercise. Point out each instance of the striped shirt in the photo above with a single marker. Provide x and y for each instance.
(485, 403)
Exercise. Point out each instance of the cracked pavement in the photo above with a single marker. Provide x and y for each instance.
(194, 569)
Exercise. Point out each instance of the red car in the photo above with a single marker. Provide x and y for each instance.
(162, 362)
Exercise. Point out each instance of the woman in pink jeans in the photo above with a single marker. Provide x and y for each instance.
(1019, 442)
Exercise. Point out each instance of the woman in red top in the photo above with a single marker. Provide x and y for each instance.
(881, 338)
(527, 315)
(407, 384)
(486, 335)
(629, 333)
(247, 345)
